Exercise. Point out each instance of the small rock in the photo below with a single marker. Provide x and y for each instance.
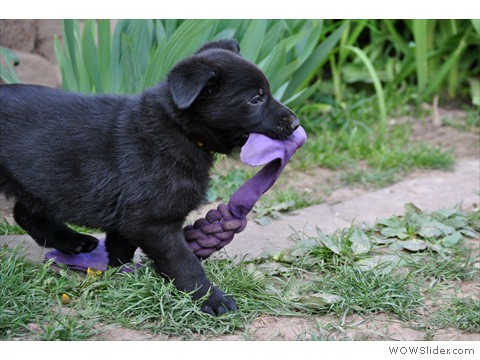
(34, 69)
(18, 34)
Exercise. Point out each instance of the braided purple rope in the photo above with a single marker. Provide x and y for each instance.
(214, 231)
(219, 226)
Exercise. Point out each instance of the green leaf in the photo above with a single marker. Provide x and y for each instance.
(90, 55)
(311, 65)
(360, 242)
(104, 44)
(184, 41)
(7, 73)
(412, 208)
(327, 241)
(476, 25)
(378, 89)
(445, 69)
(398, 232)
(434, 229)
(449, 212)
(271, 254)
(393, 222)
(252, 40)
(413, 245)
(303, 247)
(451, 240)
(475, 91)
(263, 220)
(420, 35)
(469, 232)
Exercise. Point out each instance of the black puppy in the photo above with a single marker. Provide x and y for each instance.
(133, 166)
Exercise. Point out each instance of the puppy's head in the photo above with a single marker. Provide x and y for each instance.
(222, 98)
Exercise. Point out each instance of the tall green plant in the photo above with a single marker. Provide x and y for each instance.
(437, 56)
(139, 53)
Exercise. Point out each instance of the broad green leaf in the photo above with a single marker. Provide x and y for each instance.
(420, 34)
(68, 78)
(475, 91)
(303, 95)
(104, 45)
(397, 232)
(393, 222)
(327, 241)
(434, 229)
(70, 28)
(470, 232)
(360, 242)
(185, 40)
(476, 25)
(263, 220)
(90, 55)
(411, 207)
(446, 67)
(413, 245)
(449, 212)
(273, 36)
(303, 247)
(252, 40)
(451, 240)
(310, 66)
(310, 36)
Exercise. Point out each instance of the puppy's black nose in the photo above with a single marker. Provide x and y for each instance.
(295, 123)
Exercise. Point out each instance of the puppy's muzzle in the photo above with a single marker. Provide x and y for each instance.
(292, 120)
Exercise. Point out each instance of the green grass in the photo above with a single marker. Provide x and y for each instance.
(30, 294)
(444, 267)
(462, 313)
(346, 136)
(7, 228)
(337, 274)
(368, 292)
(10, 229)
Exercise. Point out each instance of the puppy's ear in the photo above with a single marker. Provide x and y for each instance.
(187, 80)
(226, 44)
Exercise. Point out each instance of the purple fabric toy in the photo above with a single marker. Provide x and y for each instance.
(217, 229)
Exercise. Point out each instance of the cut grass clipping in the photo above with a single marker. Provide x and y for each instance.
(358, 270)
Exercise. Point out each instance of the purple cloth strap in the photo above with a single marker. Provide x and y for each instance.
(260, 150)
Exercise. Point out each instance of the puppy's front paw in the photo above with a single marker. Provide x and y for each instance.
(79, 243)
(218, 303)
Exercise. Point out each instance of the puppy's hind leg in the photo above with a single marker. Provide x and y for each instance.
(52, 234)
(120, 249)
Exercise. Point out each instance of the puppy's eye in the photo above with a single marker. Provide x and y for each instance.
(207, 91)
(257, 98)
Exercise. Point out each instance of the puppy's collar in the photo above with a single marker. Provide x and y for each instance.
(205, 148)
